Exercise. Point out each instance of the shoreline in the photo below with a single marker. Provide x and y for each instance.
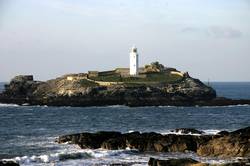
(110, 106)
(177, 158)
(81, 102)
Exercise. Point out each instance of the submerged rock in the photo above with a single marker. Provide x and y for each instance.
(233, 144)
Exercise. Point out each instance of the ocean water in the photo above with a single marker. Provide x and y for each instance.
(27, 134)
(1, 86)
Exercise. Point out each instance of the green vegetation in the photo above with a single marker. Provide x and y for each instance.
(108, 78)
(149, 78)
(87, 83)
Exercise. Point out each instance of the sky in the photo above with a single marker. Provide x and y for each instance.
(48, 38)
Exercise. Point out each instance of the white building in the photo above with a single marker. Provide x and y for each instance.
(134, 61)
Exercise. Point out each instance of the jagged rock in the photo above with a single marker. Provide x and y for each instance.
(89, 140)
(140, 141)
(190, 162)
(233, 144)
(223, 133)
(174, 162)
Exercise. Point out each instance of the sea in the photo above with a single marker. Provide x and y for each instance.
(28, 133)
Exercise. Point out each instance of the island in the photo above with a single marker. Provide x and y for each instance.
(151, 85)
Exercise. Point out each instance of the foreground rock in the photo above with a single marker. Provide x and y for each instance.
(236, 143)
(190, 162)
(8, 163)
(173, 162)
(232, 144)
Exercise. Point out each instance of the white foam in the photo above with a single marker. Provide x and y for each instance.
(227, 106)
(177, 133)
(88, 157)
(49, 158)
(117, 106)
(69, 154)
(211, 131)
(8, 105)
(206, 132)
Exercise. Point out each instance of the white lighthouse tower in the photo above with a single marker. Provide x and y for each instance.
(134, 61)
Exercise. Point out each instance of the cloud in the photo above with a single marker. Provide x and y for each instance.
(247, 2)
(190, 30)
(214, 31)
(224, 32)
(112, 9)
(68, 7)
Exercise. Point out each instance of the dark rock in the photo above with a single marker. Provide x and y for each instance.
(231, 144)
(142, 142)
(114, 143)
(190, 162)
(8, 163)
(221, 101)
(173, 162)
(223, 133)
(89, 140)
(235, 144)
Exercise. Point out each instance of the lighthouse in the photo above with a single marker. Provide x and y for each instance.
(134, 61)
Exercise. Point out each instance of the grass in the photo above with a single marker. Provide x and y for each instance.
(87, 83)
(108, 78)
(151, 78)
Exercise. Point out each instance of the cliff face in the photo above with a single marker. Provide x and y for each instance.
(84, 92)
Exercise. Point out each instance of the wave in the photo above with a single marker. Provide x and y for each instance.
(211, 131)
(67, 154)
(181, 132)
(50, 158)
(8, 105)
(90, 157)
(226, 106)
(118, 106)
(205, 132)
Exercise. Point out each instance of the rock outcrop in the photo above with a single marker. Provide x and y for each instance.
(233, 144)
(174, 162)
(236, 144)
(190, 162)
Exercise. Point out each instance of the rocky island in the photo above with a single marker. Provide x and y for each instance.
(154, 85)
